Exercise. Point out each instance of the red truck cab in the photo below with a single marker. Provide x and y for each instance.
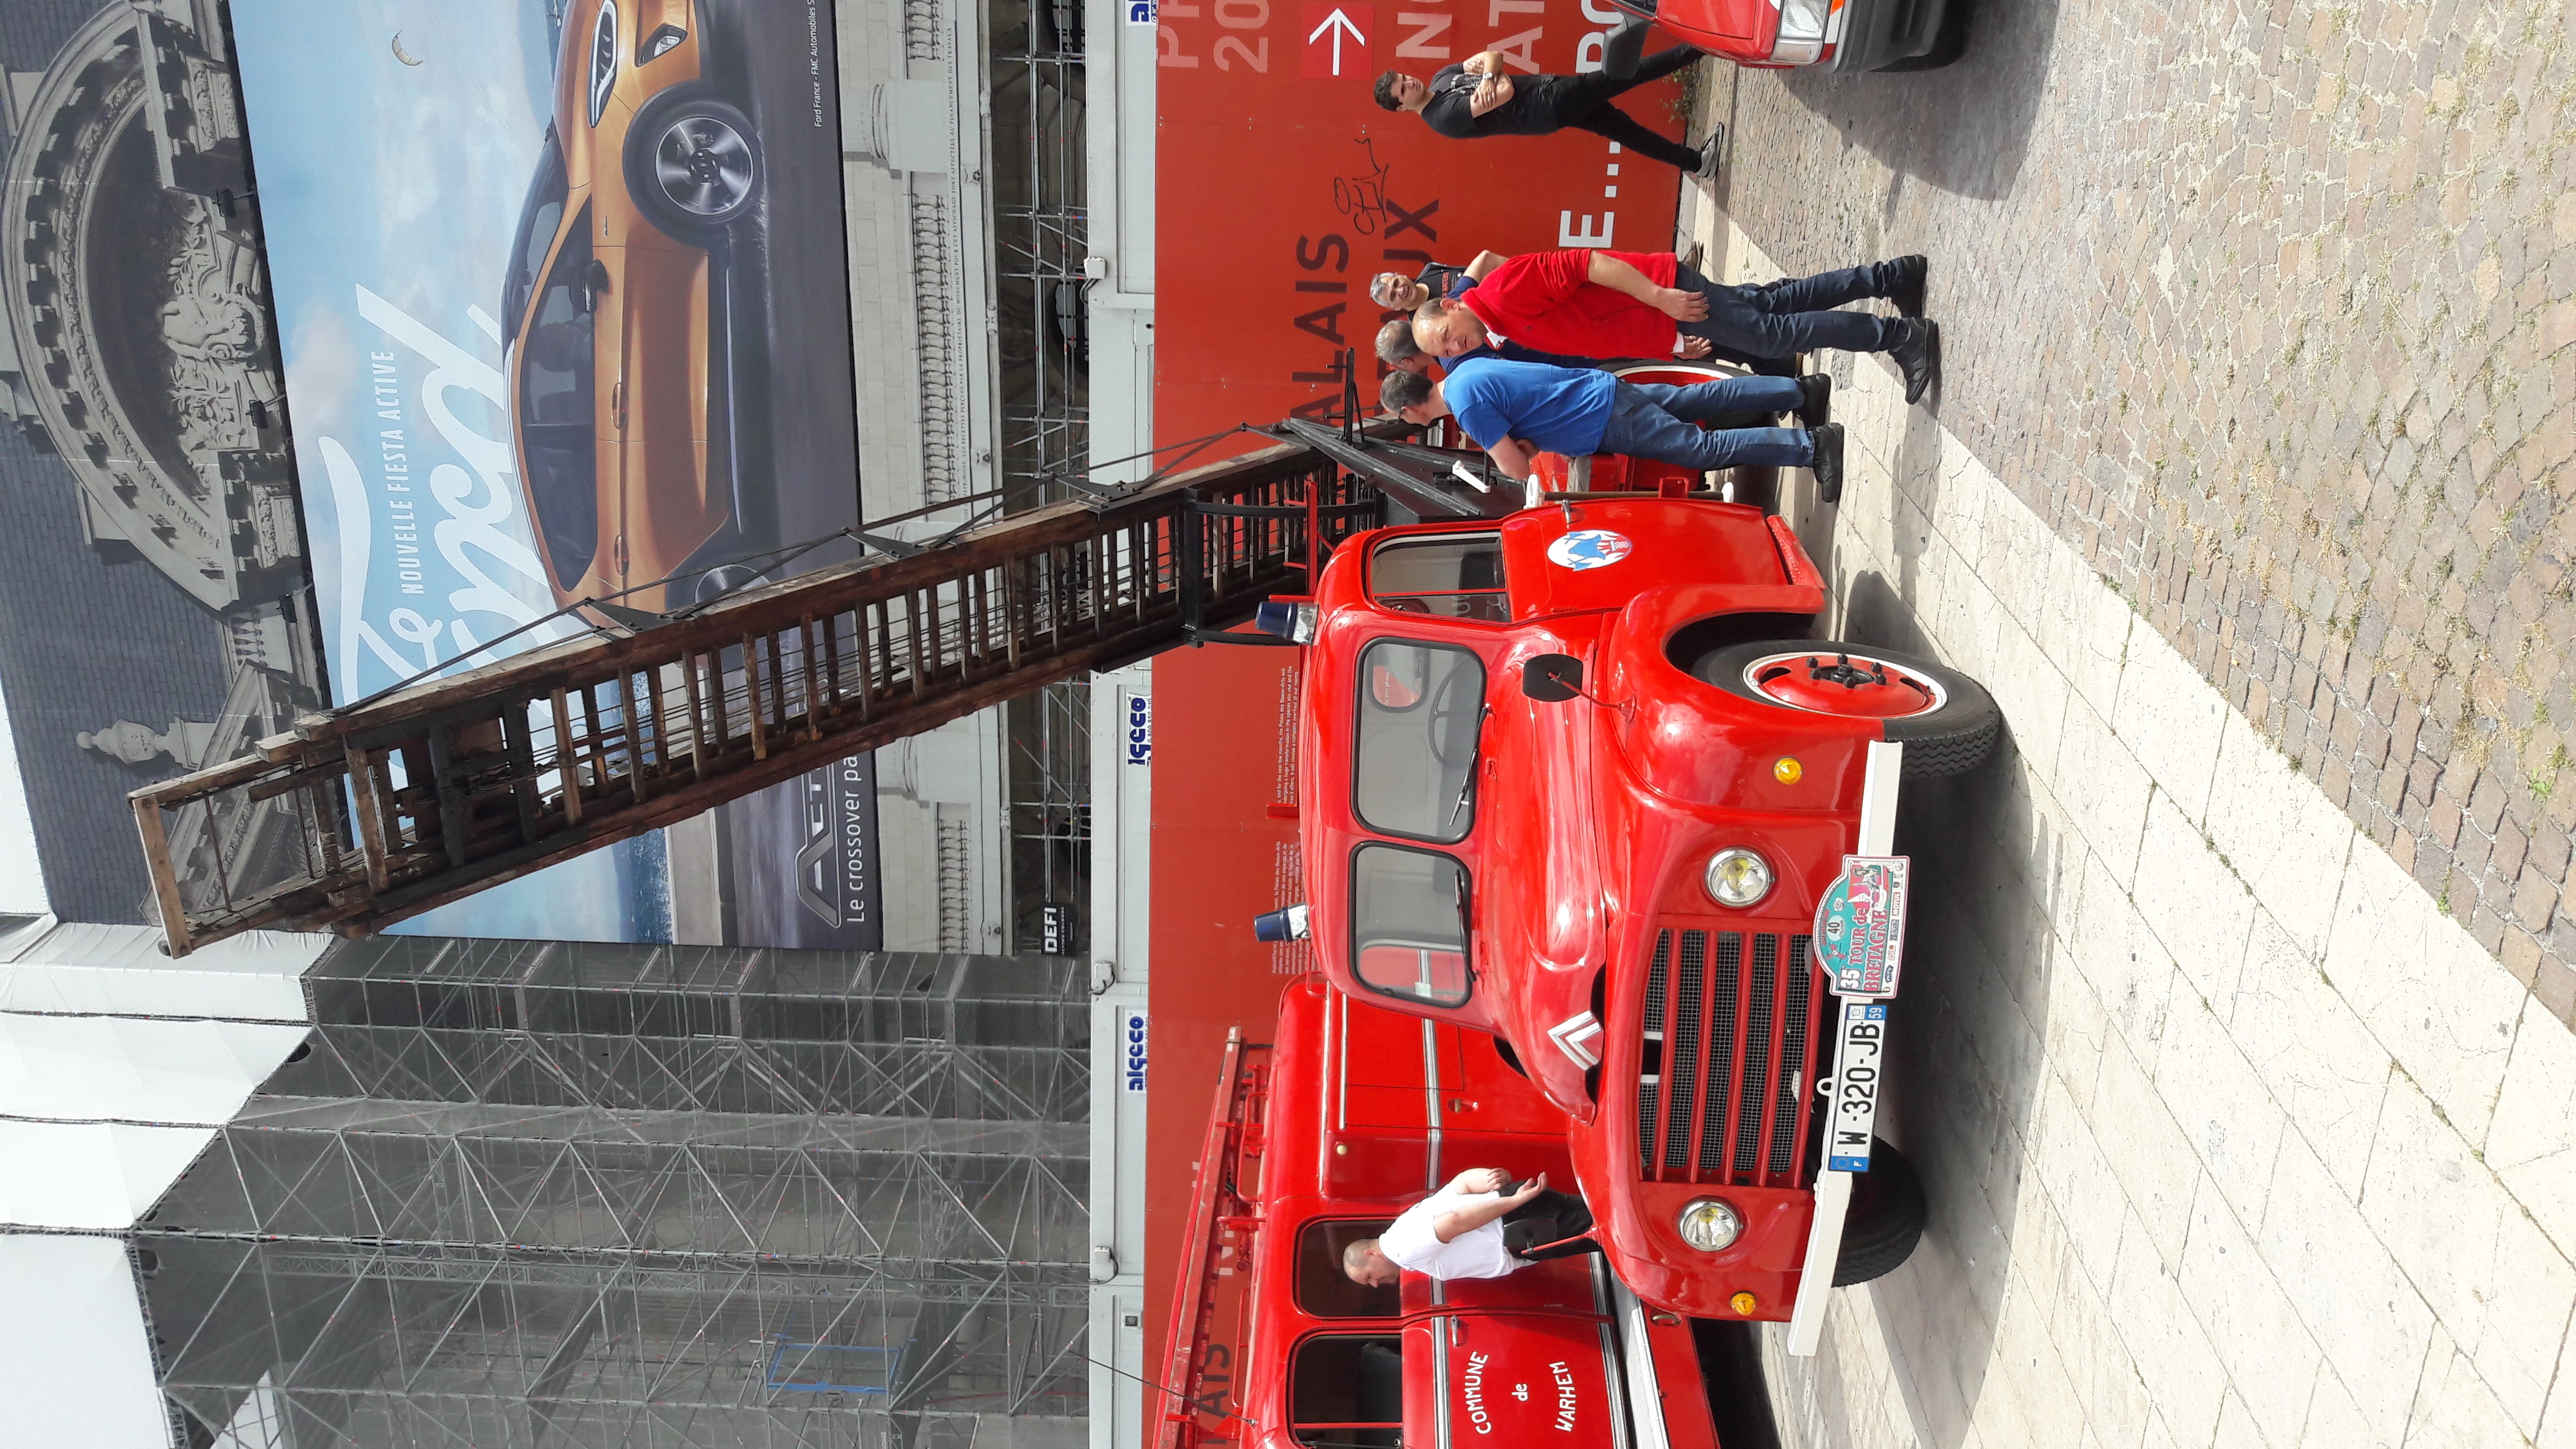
(1320, 1139)
(1576, 778)
(1843, 36)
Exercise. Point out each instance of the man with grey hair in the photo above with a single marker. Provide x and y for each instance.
(1395, 348)
(1634, 304)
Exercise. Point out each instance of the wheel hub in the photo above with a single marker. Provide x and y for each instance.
(1844, 684)
(1847, 674)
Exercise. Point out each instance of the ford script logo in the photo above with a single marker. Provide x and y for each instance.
(1135, 1029)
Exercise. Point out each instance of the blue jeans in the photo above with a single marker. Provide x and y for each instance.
(1653, 420)
(1791, 315)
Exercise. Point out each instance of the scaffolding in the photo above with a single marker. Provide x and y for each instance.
(1050, 808)
(524, 1193)
(1040, 236)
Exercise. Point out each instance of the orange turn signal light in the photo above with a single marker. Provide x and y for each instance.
(1743, 1303)
(1787, 770)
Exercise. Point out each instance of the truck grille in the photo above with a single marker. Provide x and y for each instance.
(1730, 1027)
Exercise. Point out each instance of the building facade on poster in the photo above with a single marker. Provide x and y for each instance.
(137, 364)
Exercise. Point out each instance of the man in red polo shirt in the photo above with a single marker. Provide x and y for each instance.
(1639, 304)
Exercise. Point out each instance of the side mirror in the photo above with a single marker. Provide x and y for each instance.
(1552, 678)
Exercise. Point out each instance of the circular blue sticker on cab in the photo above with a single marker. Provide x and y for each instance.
(1589, 548)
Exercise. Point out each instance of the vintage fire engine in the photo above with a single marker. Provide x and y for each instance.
(1319, 1139)
(1577, 778)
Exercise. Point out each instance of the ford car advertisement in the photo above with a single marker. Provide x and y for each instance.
(562, 303)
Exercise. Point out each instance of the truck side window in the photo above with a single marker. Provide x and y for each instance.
(1409, 914)
(1449, 576)
(1413, 754)
(1346, 1391)
(1323, 1289)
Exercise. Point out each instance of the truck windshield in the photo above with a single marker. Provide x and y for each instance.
(1413, 757)
(1451, 576)
(1409, 916)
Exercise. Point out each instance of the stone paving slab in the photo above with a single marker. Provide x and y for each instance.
(2231, 1135)
(2266, 307)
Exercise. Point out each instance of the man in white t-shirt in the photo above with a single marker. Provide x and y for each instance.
(1479, 1226)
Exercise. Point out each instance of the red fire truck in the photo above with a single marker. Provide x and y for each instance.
(1319, 1139)
(1576, 777)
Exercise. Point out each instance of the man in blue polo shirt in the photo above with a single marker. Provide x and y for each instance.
(1515, 409)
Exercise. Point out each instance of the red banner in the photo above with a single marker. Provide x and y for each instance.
(1282, 187)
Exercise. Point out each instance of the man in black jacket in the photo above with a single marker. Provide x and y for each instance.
(1474, 98)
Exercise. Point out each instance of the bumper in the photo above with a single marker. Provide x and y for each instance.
(1880, 32)
(1833, 1188)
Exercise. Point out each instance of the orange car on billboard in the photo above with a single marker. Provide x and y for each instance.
(622, 381)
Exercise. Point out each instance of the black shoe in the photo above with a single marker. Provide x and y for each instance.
(1815, 406)
(1907, 290)
(1626, 48)
(1917, 354)
(1828, 464)
(1712, 153)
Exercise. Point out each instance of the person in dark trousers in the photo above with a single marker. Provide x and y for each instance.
(1599, 303)
(1515, 409)
(1395, 348)
(1481, 1224)
(1475, 98)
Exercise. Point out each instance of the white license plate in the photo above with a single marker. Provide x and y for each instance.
(1859, 1067)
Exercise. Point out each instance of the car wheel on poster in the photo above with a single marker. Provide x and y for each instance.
(693, 163)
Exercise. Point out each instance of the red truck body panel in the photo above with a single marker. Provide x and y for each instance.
(1308, 1149)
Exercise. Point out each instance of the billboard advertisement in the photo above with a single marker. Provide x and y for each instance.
(562, 303)
(1281, 188)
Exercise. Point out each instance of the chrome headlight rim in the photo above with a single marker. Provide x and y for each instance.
(1713, 879)
(1709, 1224)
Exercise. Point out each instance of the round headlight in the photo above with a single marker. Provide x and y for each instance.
(1738, 877)
(1708, 1224)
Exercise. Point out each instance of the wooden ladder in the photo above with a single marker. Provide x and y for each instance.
(361, 816)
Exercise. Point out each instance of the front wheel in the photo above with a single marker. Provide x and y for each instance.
(692, 163)
(1950, 44)
(1945, 720)
(1885, 1219)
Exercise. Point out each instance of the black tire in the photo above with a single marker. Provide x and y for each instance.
(693, 163)
(1885, 1219)
(1949, 740)
(1947, 47)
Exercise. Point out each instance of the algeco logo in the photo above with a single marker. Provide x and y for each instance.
(1135, 1031)
(1140, 729)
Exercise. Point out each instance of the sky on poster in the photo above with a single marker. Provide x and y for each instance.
(389, 191)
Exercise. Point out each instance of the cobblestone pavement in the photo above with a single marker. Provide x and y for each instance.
(2231, 1137)
(2268, 311)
